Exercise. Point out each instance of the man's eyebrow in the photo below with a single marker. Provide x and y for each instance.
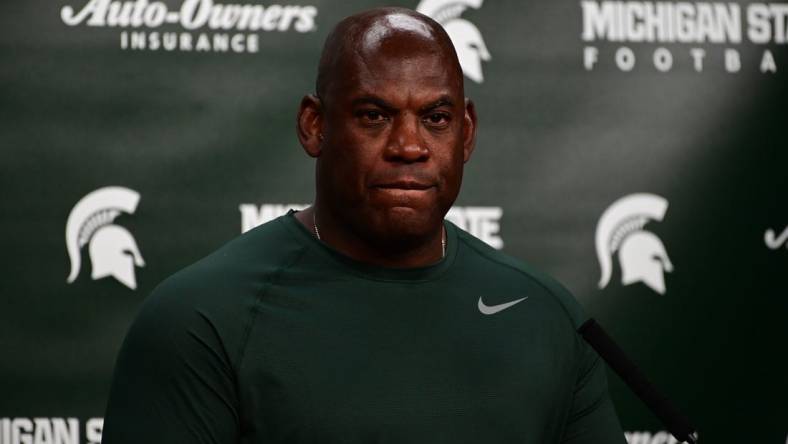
(442, 101)
(377, 101)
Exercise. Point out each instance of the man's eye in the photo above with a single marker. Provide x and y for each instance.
(438, 119)
(371, 116)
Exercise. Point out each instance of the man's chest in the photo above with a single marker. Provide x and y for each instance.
(391, 363)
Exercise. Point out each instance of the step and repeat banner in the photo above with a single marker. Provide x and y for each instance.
(634, 150)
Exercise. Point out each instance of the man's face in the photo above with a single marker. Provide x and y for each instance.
(396, 135)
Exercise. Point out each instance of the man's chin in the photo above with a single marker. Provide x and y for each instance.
(405, 223)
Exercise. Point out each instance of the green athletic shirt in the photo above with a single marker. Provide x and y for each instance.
(277, 338)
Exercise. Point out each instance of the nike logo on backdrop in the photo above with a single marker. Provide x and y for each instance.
(492, 309)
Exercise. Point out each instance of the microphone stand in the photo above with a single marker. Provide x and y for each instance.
(677, 424)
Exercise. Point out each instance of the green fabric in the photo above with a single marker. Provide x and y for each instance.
(277, 338)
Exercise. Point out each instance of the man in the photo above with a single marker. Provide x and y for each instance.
(366, 318)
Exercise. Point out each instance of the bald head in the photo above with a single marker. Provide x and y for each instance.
(354, 40)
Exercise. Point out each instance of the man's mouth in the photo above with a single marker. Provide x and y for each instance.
(405, 184)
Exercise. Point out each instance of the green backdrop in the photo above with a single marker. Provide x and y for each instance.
(189, 105)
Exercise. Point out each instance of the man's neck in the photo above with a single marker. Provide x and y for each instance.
(338, 237)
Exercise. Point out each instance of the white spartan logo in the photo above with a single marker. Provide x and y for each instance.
(113, 251)
(641, 254)
(465, 36)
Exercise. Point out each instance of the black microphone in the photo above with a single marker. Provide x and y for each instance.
(677, 424)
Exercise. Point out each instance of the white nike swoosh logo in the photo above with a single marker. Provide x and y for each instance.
(492, 309)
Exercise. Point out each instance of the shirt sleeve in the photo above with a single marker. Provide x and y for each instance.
(592, 419)
(173, 380)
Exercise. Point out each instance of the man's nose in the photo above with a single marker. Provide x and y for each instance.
(406, 143)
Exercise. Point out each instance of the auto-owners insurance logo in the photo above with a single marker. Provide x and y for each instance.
(198, 25)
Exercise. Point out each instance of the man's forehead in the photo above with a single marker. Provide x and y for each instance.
(396, 57)
(396, 38)
(417, 75)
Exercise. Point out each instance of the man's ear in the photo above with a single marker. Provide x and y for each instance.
(309, 125)
(468, 129)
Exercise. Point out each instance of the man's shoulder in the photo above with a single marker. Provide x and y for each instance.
(229, 279)
(218, 295)
(254, 256)
(495, 264)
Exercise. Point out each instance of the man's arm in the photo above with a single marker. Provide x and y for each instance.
(173, 380)
(592, 419)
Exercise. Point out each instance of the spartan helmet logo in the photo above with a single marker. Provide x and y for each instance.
(641, 254)
(113, 251)
(467, 39)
